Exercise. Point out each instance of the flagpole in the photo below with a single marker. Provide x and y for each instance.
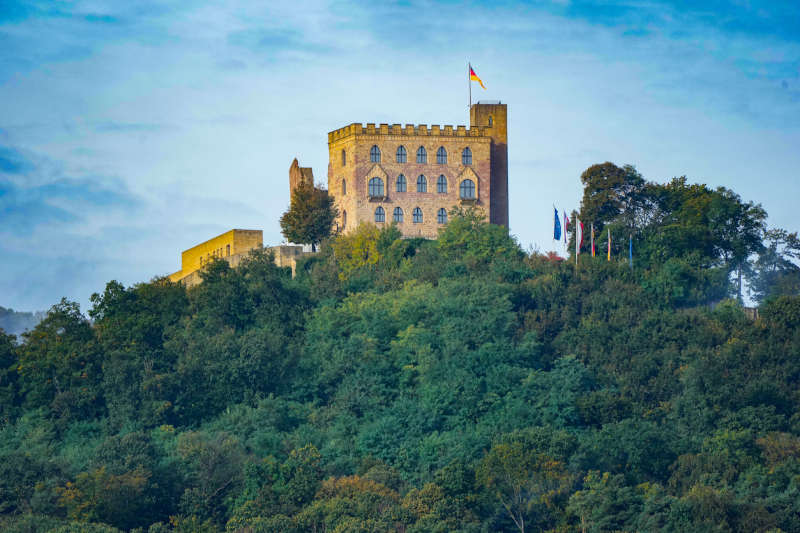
(469, 82)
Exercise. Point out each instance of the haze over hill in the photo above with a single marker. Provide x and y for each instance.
(16, 322)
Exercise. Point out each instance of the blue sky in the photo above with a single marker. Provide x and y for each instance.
(132, 130)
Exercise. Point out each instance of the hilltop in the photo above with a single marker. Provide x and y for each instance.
(457, 384)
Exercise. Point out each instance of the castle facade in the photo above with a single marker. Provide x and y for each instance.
(414, 175)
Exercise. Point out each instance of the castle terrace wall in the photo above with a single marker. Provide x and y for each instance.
(230, 243)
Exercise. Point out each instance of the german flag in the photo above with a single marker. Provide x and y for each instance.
(474, 77)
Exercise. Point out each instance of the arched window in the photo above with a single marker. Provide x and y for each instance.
(467, 190)
(344, 187)
(466, 156)
(441, 156)
(422, 155)
(380, 214)
(344, 158)
(401, 183)
(422, 183)
(491, 122)
(397, 215)
(416, 215)
(441, 216)
(401, 154)
(228, 250)
(344, 219)
(376, 187)
(374, 154)
(441, 184)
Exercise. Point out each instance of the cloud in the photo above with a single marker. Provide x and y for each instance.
(112, 126)
(33, 200)
(12, 161)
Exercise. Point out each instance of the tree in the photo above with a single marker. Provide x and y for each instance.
(469, 237)
(8, 377)
(775, 271)
(58, 363)
(310, 215)
(608, 191)
(606, 503)
(522, 479)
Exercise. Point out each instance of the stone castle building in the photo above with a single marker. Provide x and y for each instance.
(231, 246)
(414, 175)
(410, 175)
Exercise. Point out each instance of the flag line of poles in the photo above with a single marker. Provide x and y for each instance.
(578, 231)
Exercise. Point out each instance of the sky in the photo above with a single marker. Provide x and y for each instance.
(130, 131)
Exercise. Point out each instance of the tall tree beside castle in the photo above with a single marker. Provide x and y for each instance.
(310, 216)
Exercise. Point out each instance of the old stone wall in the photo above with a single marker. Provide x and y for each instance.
(350, 169)
(231, 243)
(298, 175)
(349, 182)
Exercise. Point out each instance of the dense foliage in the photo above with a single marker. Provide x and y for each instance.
(420, 386)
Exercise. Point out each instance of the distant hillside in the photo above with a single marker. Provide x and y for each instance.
(16, 322)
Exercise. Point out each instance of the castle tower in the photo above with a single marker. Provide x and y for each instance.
(298, 175)
(413, 175)
(493, 116)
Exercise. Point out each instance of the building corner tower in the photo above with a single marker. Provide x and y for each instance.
(493, 119)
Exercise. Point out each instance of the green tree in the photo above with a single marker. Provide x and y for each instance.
(522, 479)
(105, 497)
(608, 192)
(8, 378)
(59, 364)
(775, 271)
(605, 503)
(470, 238)
(310, 216)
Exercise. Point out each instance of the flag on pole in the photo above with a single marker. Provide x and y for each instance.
(609, 245)
(630, 250)
(578, 238)
(592, 239)
(566, 226)
(474, 77)
(580, 224)
(556, 226)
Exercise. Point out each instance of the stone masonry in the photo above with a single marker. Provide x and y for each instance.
(350, 169)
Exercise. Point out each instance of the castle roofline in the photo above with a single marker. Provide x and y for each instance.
(356, 128)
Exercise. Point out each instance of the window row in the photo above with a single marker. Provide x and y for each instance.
(416, 215)
(375, 186)
(219, 252)
(401, 156)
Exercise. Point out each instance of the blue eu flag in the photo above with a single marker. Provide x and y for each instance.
(630, 250)
(557, 227)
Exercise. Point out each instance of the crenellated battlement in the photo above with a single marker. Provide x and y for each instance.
(421, 130)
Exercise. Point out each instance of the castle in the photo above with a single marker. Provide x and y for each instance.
(409, 175)
(414, 175)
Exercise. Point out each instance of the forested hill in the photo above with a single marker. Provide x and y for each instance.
(16, 322)
(456, 385)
